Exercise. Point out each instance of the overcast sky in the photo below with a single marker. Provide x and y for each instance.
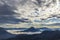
(47, 10)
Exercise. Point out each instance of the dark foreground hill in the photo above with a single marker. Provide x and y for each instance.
(45, 35)
(4, 34)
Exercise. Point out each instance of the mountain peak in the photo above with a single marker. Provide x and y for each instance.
(31, 29)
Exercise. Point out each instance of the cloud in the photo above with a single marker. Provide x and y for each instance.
(26, 8)
(7, 15)
(51, 20)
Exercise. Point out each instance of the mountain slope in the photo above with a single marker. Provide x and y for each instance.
(45, 35)
(31, 29)
(4, 34)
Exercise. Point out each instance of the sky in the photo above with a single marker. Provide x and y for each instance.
(44, 11)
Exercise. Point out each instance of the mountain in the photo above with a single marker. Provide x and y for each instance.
(4, 34)
(31, 29)
(45, 35)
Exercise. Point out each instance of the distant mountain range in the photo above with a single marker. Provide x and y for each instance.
(31, 29)
(45, 35)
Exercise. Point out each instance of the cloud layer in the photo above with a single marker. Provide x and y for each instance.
(43, 10)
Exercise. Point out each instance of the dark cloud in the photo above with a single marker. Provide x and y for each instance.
(7, 15)
(54, 1)
(23, 2)
(54, 24)
(51, 16)
(38, 3)
(54, 15)
(44, 2)
(14, 3)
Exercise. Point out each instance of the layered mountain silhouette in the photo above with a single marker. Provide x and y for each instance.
(45, 35)
(4, 34)
(31, 29)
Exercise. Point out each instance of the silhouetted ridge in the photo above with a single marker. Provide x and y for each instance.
(4, 34)
(50, 35)
(45, 35)
(32, 29)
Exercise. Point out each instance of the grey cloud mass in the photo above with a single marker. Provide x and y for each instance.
(31, 8)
